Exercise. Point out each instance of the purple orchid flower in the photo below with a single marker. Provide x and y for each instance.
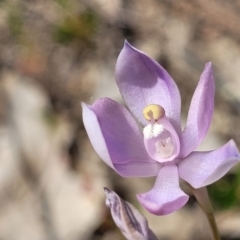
(159, 149)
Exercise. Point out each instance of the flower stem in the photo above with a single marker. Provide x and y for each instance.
(203, 200)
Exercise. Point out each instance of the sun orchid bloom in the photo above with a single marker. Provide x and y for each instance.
(160, 148)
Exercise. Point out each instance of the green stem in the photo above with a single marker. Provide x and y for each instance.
(203, 200)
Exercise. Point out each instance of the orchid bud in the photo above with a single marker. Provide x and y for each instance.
(132, 224)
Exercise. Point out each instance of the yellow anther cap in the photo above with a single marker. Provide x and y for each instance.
(154, 112)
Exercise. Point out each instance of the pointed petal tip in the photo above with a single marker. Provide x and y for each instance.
(110, 197)
(85, 106)
(208, 65)
(126, 42)
(106, 191)
(85, 109)
(234, 148)
(128, 46)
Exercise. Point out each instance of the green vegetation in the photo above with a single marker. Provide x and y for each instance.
(15, 23)
(80, 28)
(225, 193)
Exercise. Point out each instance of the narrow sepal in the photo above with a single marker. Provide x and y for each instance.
(200, 112)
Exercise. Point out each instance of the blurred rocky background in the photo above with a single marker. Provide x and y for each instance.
(55, 54)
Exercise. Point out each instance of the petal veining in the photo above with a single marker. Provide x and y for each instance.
(203, 168)
(128, 219)
(142, 81)
(200, 112)
(166, 196)
(116, 138)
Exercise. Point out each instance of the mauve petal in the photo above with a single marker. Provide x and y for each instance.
(200, 112)
(116, 138)
(142, 81)
(200, 169)
(166, 196)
